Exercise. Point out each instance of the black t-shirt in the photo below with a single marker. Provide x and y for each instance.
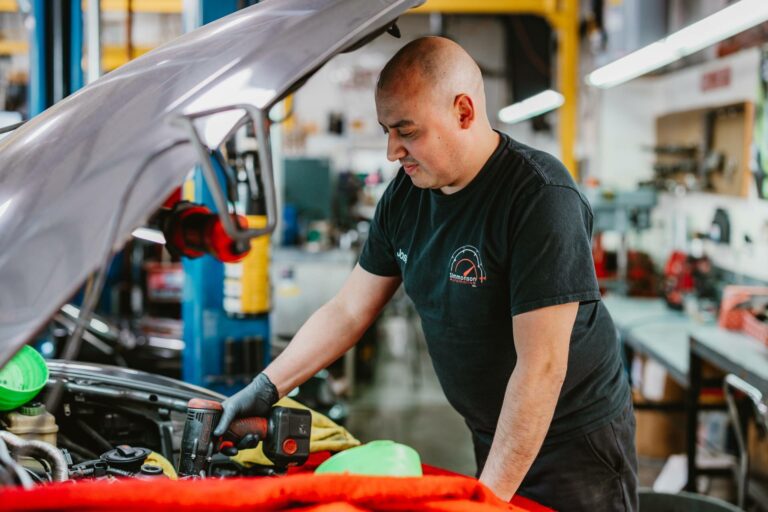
(515, 239)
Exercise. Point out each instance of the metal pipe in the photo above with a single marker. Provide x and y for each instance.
(103, 443)
(730, 383)
(38, 449)
(743, 472)
(94, 40)
(9, 469)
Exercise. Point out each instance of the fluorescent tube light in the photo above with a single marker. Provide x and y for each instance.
(531, 107)
(635, 64)
(721, 25)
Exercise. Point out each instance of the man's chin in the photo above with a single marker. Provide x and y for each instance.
(418, 182)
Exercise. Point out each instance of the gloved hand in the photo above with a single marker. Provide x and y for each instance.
(256, 399)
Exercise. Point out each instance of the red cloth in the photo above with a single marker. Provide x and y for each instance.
(295, 492)
(317, 458)
(437, 490)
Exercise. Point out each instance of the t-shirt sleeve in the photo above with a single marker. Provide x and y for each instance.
(551, 251)
(377, 256)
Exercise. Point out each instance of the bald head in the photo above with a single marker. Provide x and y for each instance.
(430, 103)
(438, 67)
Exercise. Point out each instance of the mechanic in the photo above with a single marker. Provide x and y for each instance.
(491, 239)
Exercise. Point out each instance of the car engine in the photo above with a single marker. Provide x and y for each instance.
(117, 423)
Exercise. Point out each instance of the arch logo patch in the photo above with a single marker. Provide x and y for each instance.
(467, 267)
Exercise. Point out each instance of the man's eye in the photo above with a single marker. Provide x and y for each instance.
(407, 134)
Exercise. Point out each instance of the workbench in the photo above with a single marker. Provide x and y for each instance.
(682, 346)
(650, 328)
(730, 352)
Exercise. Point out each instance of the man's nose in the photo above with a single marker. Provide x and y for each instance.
(395, 150)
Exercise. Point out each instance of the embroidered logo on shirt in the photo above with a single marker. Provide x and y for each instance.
(400, 254)
(467, 267)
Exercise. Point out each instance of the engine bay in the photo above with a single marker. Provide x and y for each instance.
(116, 423)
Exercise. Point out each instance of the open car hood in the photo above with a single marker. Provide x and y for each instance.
(65, 175)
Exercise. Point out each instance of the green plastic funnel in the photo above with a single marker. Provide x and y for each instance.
(22, 378)
(377, 458)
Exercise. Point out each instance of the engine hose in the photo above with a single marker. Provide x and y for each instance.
(38, 449)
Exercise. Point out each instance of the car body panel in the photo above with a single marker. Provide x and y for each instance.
(66, 175)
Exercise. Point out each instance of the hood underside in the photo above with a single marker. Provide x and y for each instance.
(92, 168)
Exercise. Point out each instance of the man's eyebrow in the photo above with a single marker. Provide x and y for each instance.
(401, 123)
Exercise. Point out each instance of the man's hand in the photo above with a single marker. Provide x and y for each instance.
(256, 399)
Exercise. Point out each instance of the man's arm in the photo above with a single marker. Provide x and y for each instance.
(332, 329)
(542, 339)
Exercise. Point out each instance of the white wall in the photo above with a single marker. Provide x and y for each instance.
(675, 219)
(682, 90)
(625, 129)
(626, 123)
(627, 113)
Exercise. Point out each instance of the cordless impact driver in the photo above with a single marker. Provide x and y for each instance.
(285, 434)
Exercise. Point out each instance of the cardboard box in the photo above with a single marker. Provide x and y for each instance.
(758, 453)
(659, 433)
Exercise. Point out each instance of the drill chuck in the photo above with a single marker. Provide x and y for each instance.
(202, 418)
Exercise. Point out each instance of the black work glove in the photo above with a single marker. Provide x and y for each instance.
(256, 399)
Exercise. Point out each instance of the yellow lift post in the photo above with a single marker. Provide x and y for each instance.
(563, 16)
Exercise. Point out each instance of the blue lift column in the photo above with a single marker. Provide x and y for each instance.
(209, 331)
(55, 52)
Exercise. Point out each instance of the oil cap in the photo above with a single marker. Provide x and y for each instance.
(126, 457)
(32, 409)
(151, 470)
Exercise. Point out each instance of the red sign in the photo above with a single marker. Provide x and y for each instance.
(716, 79)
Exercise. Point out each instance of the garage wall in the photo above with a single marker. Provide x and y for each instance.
(346, 85)
(625, 128)
(676, 218)
(627, 113)
(627, 122)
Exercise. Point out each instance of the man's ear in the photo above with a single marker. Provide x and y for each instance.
(464, 108)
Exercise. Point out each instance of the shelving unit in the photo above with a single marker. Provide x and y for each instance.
(720, 130)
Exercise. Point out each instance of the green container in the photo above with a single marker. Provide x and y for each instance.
(377, 458)
(22, 378)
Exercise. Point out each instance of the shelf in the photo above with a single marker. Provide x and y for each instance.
(151, 6)
(8, 47)
(721, 130)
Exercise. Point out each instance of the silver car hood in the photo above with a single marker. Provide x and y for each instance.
(64, 174)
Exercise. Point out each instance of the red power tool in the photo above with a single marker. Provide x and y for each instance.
(285, 434)
(192, 230)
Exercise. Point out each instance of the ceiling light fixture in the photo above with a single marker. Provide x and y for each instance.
(531, 107)
(721, 25)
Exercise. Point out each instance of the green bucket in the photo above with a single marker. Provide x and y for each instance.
(377, 458)
(22, 378)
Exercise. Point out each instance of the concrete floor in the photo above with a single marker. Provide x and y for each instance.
(409, 408)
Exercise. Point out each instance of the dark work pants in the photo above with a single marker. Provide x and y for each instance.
(593, 472)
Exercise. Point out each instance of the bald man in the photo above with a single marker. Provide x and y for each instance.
(491, 240)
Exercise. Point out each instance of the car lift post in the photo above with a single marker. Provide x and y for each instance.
(55, 52)
(207, 327)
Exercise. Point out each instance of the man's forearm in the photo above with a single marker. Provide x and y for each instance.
(529, 403)
(328, 333)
